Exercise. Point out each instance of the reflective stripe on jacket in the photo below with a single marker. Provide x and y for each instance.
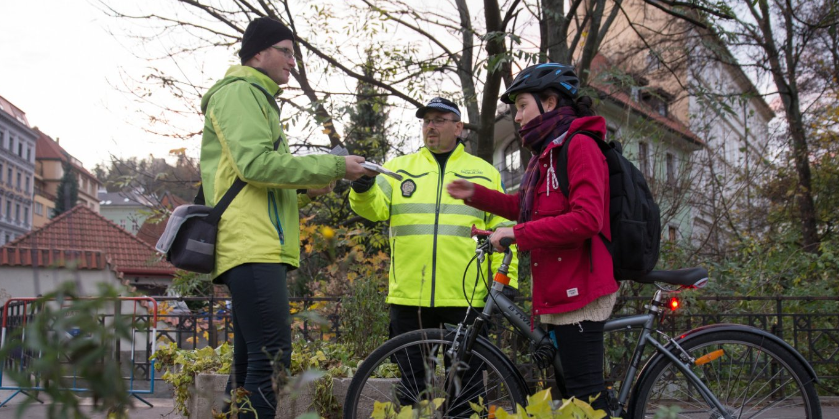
(430, 239)
(261, 225)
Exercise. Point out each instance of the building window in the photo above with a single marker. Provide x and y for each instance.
(29, 154)
(20, 149)
(657, 102)
(17, 213)
(8, 209)
(26, 215)
(671, 168)
(644, 158)
(18, 180)
(50, 212)
(1, 172)
(39, 209)
(653, 61)
(26, 189)
(122, 224)
(8, 238)
(672, 232)
(512, 157)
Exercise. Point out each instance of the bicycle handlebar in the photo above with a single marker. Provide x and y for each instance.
(484, 234)
(481, 234)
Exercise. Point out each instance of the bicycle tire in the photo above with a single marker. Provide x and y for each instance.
(754, 377)
(501, 386)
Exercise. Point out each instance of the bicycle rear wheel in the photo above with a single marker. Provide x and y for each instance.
(752, 378)
(420, 369)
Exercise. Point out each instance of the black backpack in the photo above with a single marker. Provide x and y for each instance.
(634, 215)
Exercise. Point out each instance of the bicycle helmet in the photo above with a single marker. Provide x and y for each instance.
(542, 76)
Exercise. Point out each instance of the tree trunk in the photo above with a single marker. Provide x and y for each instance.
(465, 70)
(788, 91)
(495, 47)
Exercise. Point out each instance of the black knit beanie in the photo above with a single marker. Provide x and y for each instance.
(260, 34)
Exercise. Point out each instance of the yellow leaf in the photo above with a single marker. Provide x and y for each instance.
(406, 413)
(380, 410)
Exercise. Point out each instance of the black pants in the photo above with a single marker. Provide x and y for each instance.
(412, 363)
(581, 353)
(261, 331)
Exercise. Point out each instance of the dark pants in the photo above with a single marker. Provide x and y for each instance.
(412, 362)
(261, 331)
(581, 353)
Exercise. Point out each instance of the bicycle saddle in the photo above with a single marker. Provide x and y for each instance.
(688, 277)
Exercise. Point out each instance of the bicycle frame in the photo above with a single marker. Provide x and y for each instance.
(520, 320)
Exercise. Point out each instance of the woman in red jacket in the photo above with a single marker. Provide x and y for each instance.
(574, 289)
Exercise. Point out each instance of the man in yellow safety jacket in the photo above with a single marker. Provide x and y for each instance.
(430, 239)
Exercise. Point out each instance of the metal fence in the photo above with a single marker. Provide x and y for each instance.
(809, 324)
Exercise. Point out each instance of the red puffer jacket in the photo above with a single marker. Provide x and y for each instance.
(571, 265)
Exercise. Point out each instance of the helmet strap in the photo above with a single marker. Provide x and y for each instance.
(538, 103)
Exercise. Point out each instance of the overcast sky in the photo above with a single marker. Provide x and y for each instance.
(60, 66)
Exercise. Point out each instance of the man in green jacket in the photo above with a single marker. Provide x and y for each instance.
(430, 239)
(258, 237)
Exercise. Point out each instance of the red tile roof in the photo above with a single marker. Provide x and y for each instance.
(153, 227)
(53, 258)
(81, 230)
(14, 111)
(150, 232)
(669, 123)
(48, 149)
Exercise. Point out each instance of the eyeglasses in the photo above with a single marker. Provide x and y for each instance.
(289, 54)
(436, 121)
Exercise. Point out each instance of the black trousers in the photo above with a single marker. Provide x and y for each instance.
(412, 362)
(261, 331)
(581, 353)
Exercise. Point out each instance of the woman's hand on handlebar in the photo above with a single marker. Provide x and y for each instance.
(501, 233)
(461, 189)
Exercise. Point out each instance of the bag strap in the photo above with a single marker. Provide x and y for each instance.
(221, 206)
(238, 184)
(562, 163)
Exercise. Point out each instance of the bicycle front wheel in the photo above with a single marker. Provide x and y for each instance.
(751, 377)
(416, 367)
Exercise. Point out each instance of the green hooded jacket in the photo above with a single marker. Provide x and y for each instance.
(241, 125)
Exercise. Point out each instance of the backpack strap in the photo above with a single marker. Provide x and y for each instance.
(562, 177)
(562, 162)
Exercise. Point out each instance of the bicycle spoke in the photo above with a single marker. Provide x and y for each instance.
(753, 379)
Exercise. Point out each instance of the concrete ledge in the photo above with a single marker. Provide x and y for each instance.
(208, 394)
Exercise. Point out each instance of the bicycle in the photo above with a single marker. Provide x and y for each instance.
(721, 371)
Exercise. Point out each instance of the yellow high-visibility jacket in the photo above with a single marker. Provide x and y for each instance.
(430, 243)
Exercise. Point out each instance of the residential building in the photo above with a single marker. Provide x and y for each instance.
(128, 210)
(79, 243)
(50, 161)
(696, 127)
(689, 74)
(17, 167)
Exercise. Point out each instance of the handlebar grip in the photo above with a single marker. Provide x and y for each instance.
(506, 242)
(478, 232)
